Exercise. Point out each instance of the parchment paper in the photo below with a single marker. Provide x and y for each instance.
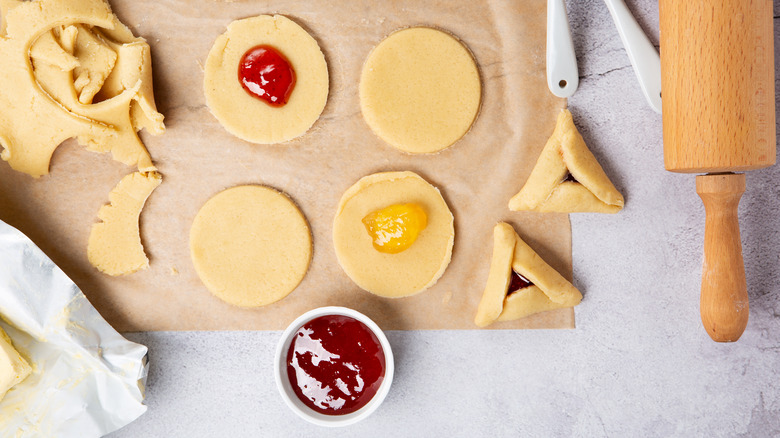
(198, 158)
(87, 380)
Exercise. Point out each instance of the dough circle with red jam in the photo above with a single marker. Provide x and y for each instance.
(248, 117)
(250, 245)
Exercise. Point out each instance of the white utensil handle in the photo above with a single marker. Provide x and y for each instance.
(643, 56)
(562, 75)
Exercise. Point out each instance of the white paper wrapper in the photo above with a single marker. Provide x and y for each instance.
(87, 380)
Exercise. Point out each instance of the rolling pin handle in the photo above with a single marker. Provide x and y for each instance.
(724, 298)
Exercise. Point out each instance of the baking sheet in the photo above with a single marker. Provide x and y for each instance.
(198, 158)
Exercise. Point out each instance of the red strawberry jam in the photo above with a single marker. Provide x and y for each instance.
(267, 75)
(335, 364)
(518, 282)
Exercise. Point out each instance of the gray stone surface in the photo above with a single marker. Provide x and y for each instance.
(639, 362)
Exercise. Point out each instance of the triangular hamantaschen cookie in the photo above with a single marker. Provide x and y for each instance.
(520, 283)
(567, 178)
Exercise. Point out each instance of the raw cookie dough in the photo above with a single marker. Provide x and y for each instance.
(71, 66)
(548, 291)
(247, 117)
(420, 90)
(13, 368)
(393, 275)
(250, 245)
(115, 243)
(549, 189)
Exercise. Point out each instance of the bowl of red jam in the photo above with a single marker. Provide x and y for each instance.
(334, 366)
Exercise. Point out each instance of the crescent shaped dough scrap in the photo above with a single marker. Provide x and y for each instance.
(548, 188)
(548, 289)
(115, 243)
(58, 57)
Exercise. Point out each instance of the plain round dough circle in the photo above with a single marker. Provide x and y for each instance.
(250, 245)
(248, 117)
(405, 273)
(420, 90)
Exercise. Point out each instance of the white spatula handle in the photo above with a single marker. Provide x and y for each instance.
(641, 52)
(562, 75)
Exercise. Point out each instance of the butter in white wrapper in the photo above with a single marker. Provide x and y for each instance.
(87, 380)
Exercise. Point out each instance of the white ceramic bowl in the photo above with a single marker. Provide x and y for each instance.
(286, 390)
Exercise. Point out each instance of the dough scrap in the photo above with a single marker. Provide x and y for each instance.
(549, 289)
(58, 56)
(247, 117)
(420, 90)
(410, 271)
(96, 60)
(115, 243)
(547, 189)
(251, 245)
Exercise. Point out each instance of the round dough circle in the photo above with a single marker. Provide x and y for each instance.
(420, 90)
(248, 117)
(250, 245)
(405, 273)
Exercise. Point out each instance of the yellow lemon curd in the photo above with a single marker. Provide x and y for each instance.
(396, 227)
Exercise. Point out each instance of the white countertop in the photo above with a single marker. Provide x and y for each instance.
(639, 362)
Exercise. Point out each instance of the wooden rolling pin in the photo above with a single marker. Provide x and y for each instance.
(718, 82)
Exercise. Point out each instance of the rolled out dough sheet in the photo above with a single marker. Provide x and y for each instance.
(477, 175)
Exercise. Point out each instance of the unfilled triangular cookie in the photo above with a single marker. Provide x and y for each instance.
(567, 178)
(536, 286)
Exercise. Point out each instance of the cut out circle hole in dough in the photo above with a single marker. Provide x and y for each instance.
(251, 245)
(405, 273)
(248, 117)
(420, 90)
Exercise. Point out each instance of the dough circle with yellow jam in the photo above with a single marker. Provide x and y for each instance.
(420, 90)
(405, 273)
(250, 245)
(248, 117)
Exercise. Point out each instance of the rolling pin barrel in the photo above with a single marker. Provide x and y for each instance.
(718, 85)
(718, 82)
